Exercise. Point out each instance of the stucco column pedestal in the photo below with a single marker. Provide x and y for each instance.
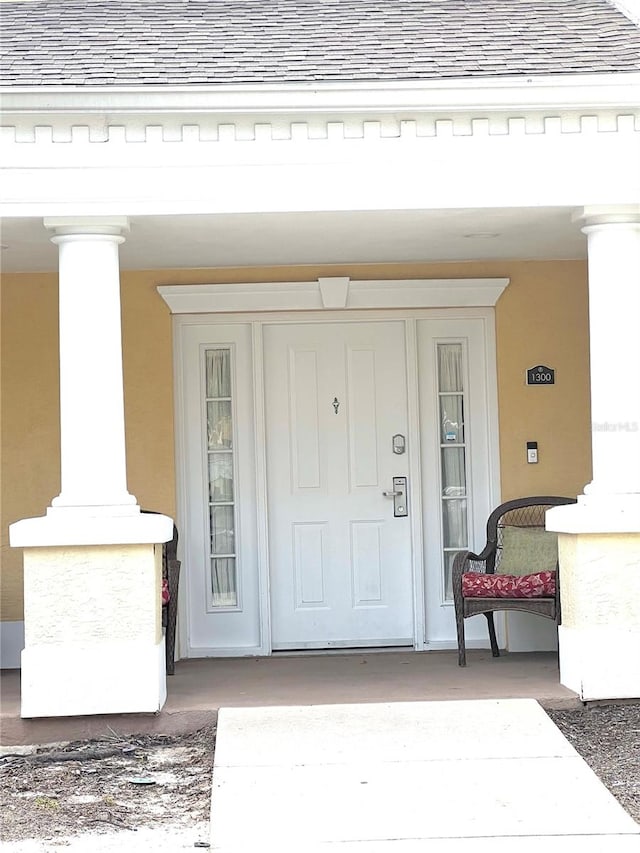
(599, 637)
(93, 633)
(92, 565)
(599, 537)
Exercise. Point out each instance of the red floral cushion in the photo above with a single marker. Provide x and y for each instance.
(537, 585)
(165, 591)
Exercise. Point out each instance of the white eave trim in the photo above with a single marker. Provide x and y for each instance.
(574, 91)
(629, 8)
(333, 293)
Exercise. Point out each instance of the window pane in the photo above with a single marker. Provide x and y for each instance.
(452, 456)
(219, 427)
(222, 533)
(223, 582)
(453, 473)
(449, 557)
(451, 419)
(218, 373)
(220, 477)
(450, 367)
(454, 523)
(222, 554)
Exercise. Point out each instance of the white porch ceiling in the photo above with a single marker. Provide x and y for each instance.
(165, 242)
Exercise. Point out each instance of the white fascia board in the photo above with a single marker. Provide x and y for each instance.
(593, 91)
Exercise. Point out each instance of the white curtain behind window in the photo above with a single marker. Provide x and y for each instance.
(224, 591)
(452, 454)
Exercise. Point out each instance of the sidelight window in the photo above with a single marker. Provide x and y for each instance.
(453, 456)
(223, 586)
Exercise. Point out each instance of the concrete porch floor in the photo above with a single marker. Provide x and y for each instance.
(200, 687)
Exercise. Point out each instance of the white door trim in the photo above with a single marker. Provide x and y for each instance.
(415, 474)
(262, 517)
(182, 631)
(331, 293)
(258, 320)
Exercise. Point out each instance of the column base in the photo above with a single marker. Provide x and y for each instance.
(597, 513)
(93, 623)
(67, 527)
(600, 663)
(599, 556)
(110, 678)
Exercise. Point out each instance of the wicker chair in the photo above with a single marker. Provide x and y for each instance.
(170, 574)
(523, 513)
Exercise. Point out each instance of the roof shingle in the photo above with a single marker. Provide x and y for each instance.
(132, 42)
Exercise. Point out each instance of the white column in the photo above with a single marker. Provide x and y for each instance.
(93, 464)
(599, 540)
(92, 565)
(614, 329)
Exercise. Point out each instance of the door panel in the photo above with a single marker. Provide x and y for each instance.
(340, 562)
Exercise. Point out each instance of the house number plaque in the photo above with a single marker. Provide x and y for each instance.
(541, 375)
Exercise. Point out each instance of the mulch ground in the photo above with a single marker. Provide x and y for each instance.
(608, 738)
(114, 783)
(134, 782)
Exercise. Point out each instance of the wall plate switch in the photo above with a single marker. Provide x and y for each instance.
(532, 452)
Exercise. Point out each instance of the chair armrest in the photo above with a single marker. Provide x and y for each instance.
(467, 561)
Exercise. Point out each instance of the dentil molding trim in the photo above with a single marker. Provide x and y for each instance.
(52, 129)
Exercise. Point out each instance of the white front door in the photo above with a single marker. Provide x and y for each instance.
(340, 559)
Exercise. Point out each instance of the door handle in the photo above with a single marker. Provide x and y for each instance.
(399, 495)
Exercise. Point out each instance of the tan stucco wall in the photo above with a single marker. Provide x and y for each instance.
(30, 417)
(541, 318)
(148, 392)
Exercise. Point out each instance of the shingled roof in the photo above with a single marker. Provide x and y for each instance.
(133, 42)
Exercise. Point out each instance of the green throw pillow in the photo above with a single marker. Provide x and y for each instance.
(526, 550)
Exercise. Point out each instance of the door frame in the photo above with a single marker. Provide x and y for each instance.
(219, 304)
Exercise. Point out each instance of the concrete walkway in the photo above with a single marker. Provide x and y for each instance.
(449, 776)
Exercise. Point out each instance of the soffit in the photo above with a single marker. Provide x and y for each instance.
(355, 237)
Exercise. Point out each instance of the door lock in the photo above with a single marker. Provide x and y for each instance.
(399, 495)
